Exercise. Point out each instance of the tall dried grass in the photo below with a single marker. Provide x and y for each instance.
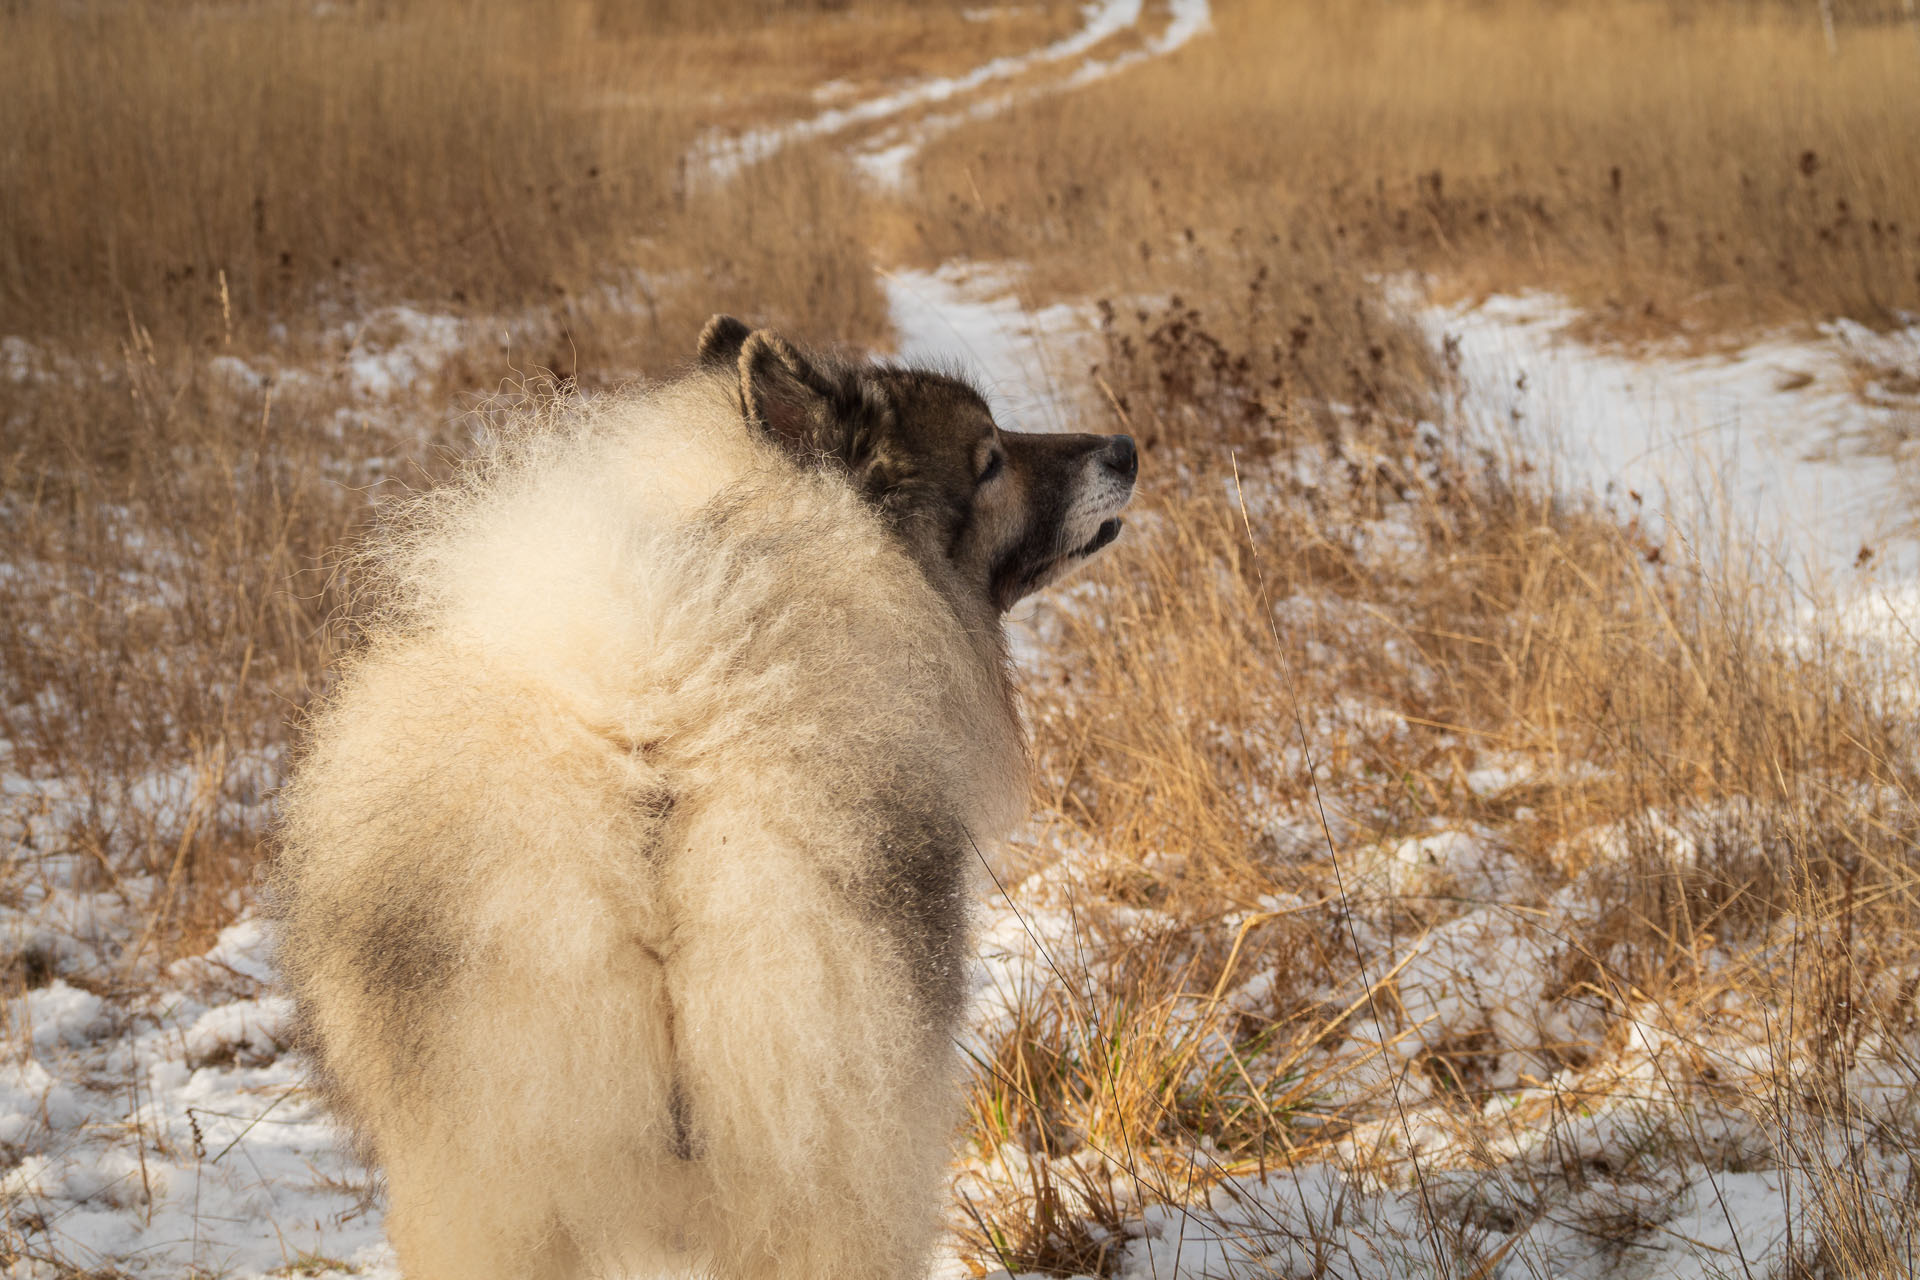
(1325, 621)
(193, 167)
(1333, 617)
(204, 170)
(1333, 623)
(1673, 169)
(164, 614)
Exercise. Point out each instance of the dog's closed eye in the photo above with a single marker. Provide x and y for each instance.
(992, 469)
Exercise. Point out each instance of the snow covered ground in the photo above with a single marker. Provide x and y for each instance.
(886, 156)
(1024, 359)
(1555, 1180)
(1798, 453)
(149, 1121)
(168, 1134)
(1780, 432)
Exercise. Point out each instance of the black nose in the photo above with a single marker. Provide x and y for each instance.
(1123, 457)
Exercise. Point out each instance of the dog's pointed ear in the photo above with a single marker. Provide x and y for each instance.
(720, 342)
(788, 398)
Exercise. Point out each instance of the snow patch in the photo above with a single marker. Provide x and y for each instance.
(1769, 453)
(973, 320)
(396, 349)
(57, 1014)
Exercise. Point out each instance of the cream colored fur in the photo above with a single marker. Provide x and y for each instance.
(581, 842)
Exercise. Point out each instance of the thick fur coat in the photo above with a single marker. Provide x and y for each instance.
(623, 888)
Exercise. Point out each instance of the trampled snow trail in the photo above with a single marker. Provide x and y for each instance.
(886, 157)
(974, 320)
(723, 156)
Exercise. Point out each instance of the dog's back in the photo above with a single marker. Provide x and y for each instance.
(618, 893)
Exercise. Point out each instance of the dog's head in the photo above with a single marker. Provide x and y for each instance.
(1003, 512)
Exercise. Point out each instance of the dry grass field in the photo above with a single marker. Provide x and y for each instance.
(1417, 821)
(1362, 711)
(1397, 813)
(1678, 170)
(205, 172)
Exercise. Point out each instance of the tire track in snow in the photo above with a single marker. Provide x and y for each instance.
(720, 156)
(961, 315)
(723, 156)
(885, 159)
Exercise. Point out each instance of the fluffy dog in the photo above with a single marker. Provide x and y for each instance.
(623, 887)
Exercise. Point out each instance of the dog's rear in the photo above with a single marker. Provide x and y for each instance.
(623, 890)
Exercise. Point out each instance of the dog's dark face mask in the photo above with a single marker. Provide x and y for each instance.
(1003, 512)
